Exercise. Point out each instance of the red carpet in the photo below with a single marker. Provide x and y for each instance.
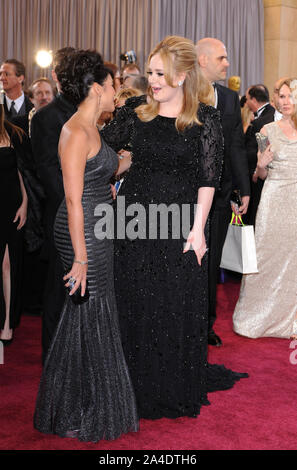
(258, 413)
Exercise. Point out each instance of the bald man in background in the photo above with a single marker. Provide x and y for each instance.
(213, 61)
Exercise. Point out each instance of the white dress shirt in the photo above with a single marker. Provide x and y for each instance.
(277, 115)
(216, 94)
(260, 110)
(18, 102)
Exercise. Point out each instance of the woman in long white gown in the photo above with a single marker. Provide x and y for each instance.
(267, 304)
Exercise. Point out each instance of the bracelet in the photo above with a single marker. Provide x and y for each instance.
(80, 262)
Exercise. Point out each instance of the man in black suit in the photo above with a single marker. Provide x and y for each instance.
(41, 93)
(46, 127)
(12, 75)
(212, 58)
(257, 99)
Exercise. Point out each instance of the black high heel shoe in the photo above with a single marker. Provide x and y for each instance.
(6, 342)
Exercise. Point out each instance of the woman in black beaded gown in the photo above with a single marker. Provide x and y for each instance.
(161, 284)
(85, 389)
(13, 217)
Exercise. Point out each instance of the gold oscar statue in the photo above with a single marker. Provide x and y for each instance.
(234, 83)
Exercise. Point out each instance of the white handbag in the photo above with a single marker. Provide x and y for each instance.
(239, 251)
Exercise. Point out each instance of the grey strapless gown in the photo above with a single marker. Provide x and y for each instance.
(85, 389)
(267, 304)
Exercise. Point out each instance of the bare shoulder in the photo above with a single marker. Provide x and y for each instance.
(264, 131)
(74, 130)
(73, 135)
(269, 128)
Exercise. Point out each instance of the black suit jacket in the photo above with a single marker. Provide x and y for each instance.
(22, 121)
(46, 126)
(28, 106)
(34, 235)
(265, 117)
(235, 174)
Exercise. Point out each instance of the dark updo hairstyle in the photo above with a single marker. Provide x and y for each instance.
(78, 72)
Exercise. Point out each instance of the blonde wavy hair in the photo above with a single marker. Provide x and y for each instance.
(125, 93)
(179, 55)
(292, 84)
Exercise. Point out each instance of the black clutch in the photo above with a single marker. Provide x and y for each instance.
(236, 198)
(77, 298)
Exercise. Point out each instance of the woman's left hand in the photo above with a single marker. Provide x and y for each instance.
(196, 239)
(21, 215)
(78, 273)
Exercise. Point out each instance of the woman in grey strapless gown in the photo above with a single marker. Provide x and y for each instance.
(267, 306)
(85, 389)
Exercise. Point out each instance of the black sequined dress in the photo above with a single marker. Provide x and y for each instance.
(161, 292)
(85, 389)
(11, 197)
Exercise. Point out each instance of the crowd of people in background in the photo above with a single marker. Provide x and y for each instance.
(144, 114)
(38, 158)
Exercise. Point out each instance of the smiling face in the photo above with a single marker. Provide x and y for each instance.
(162, 91)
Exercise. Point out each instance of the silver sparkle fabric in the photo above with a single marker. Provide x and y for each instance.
(267, 304)
(85, 389)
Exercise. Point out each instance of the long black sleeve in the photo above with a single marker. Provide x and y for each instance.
(238, 155)
(211, 148)
(119, 131)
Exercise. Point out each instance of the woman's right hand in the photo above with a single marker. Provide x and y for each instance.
(125, 161)
(21, 216)
(265, 158)
(255, 175)
(78, 273)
